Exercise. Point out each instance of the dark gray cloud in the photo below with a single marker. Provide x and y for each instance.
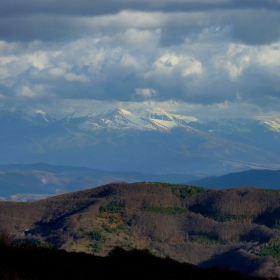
(259, 86)
(175, 36)
(88, 7)
(257, 27)
(196, 52)
(253, 22)
(37, 27)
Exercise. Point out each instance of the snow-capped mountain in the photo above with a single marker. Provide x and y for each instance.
(139, 140)
(156, 119)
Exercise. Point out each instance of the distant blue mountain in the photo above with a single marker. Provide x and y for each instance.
(252, 178)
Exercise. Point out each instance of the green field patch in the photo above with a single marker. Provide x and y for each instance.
(220, 217)
(108, 228)
(271, 249)
(111, 208)
(180, 190)
(187, 191)
(93, 235)
(166, 210)
(34, 242)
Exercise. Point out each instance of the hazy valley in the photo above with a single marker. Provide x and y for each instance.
(31, 182)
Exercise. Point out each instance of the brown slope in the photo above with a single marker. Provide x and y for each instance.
(220, 224)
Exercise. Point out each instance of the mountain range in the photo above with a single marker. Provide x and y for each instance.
(253, 178)
(145, 141)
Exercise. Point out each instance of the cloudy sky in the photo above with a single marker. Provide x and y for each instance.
(194, 57)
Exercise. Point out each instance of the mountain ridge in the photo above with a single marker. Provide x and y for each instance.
(148, 142)
(118, 118)
(257, 178)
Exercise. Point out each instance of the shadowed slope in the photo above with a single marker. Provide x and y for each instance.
(27, 261)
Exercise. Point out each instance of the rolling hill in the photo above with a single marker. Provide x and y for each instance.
(235, 228)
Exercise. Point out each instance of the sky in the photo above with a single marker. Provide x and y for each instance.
(213, 58)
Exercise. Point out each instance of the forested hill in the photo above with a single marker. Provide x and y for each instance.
(235, 228)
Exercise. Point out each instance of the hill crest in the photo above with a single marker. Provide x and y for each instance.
(190, 224)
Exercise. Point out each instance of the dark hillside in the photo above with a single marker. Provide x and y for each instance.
(205, 227)
(27, 261)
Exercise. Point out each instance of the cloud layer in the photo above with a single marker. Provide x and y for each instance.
(199, 53)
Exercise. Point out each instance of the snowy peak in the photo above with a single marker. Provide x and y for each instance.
(118, 118)
(115, 119)
(158, 114)
(116, 112)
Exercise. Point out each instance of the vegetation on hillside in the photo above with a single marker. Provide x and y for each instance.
(180, 190)
(271, 249)
(112, 208)
(187, 223)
